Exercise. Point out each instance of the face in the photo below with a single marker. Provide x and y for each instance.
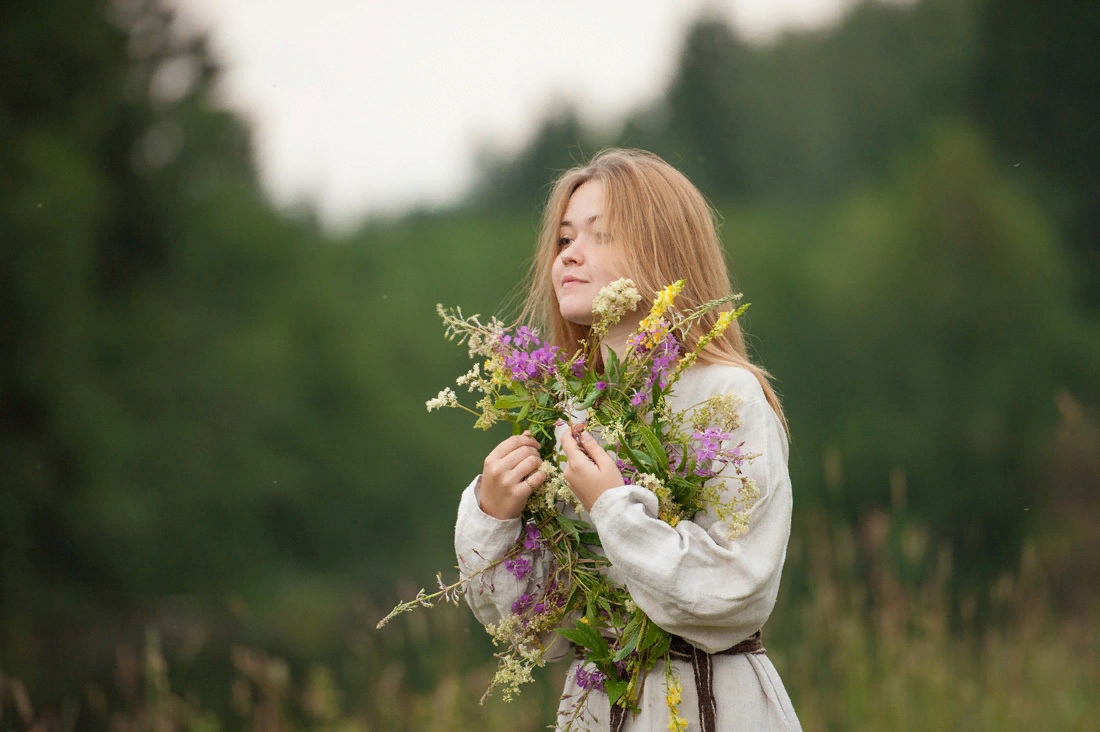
(587, 260)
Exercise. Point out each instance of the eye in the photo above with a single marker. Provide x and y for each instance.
(602, 236)
(564, 242)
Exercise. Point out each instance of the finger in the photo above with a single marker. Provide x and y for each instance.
(512, 443)
(572, 450)
(594, 450)
(527, 469)
(510, 461)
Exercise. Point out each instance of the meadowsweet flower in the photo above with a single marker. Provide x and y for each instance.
(613, 302)
(445, 398)
(719, 411)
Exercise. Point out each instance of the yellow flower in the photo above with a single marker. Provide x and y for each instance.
(724, 321)
(584, 620)
(665, 298)
(673, 697)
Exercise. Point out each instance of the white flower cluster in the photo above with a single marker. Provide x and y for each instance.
(719, 411)
(614, 300)
(555, 489)
(473, 379)
(480, 338)
(445, 398)
(666, 507)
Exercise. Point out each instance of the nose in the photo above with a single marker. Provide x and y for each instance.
(573, 253)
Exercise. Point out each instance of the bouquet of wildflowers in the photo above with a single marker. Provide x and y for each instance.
(535, 386)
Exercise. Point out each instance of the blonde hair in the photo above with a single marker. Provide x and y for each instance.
(666, 231)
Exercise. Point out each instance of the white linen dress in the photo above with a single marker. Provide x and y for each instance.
(689, 579)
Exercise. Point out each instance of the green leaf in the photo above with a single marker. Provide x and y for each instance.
(591, 398)
(653, 443)
(640, 459)
(511, 401)
(615, 689)
(660, 646)
(626, 649)
(612, 366)
(588, 637)
(652, 635)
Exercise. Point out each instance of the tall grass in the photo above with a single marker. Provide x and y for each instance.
(867, 635)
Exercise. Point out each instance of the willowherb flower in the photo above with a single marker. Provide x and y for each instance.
(521, 603)
(519, 567)
(589, 680)
(532, 539)
(577, 369)
(708, 445)
(526, 337)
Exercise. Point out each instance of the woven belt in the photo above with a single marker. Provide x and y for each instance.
(702, 666)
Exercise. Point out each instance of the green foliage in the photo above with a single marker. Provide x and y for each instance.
(207, 404)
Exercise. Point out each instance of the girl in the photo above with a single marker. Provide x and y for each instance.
(630, 214)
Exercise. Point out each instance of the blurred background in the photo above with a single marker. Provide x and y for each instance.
(223, 232)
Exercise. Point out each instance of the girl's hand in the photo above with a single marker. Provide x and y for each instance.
(590, 470)
(510, 474)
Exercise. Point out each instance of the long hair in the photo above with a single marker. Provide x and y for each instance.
(666, 231)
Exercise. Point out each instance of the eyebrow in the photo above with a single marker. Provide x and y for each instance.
(589, 221)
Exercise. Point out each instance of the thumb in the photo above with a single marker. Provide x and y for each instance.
(594, 450)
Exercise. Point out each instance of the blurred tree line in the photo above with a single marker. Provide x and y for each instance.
(212, 408)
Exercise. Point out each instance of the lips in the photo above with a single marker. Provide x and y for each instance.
(569, 280)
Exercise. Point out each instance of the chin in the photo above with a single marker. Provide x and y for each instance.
(577, 317)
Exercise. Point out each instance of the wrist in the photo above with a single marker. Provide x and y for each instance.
(495, 511)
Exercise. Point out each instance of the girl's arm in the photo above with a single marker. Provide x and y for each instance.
(480, 540)
(691, 579)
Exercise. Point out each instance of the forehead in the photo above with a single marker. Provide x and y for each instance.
(585, 205)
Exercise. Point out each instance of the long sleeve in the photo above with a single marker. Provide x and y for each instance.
(691, 579)
(480, 540)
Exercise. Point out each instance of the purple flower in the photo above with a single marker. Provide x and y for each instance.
(601, 385)
(526, 337)
(639, 397)
(578, 367)
(522, 603)
(521, 365)
(708, 445)
(519, 567)
(532, 540)
(539, 608)
(589, 679)
(545, 356)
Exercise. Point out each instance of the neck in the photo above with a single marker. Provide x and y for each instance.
(616, 338)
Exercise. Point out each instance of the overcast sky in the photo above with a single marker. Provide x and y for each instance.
(374, 106)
